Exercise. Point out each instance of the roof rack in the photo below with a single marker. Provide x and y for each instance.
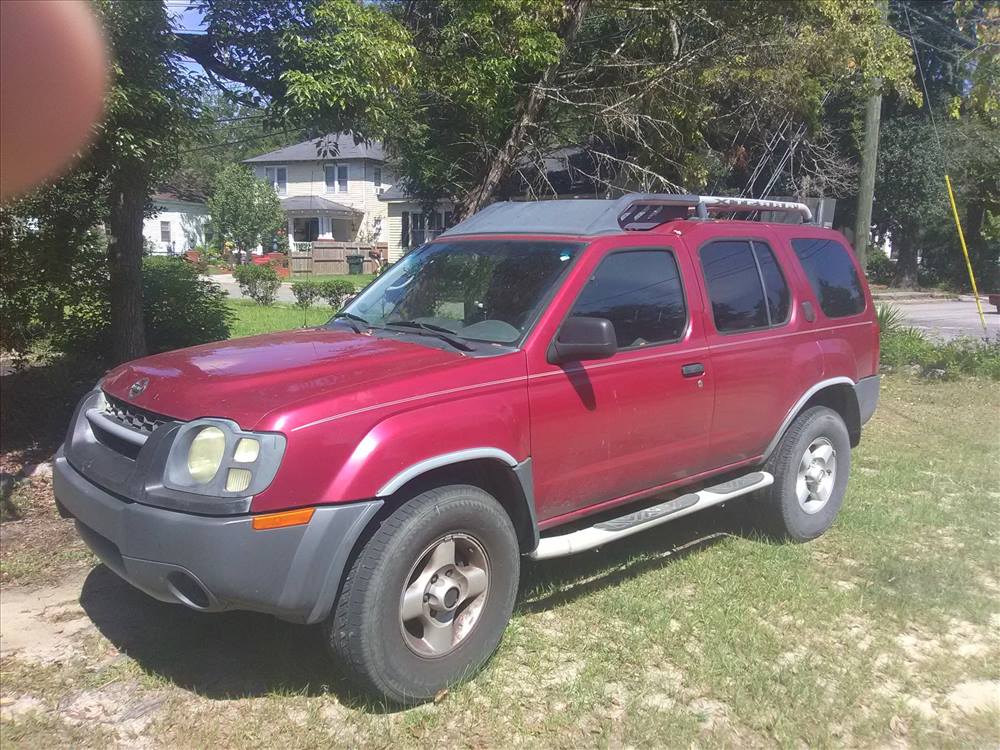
(632, 212)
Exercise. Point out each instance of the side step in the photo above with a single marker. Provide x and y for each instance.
(618, 528)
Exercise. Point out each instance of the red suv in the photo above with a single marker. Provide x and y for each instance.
(626, 362)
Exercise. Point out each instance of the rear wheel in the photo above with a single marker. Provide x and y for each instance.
(810, 467)
(429, 596)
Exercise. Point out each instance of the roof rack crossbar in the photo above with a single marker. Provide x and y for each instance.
(631, 215)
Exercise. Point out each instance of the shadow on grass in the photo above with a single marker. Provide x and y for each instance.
(239, 654)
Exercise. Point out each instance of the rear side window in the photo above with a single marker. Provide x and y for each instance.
(745, 285)
(640, 292)
(832, 276)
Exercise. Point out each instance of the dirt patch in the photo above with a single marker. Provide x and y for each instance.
(976, 695)
(41, 625)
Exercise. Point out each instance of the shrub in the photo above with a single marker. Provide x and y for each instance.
(306, 292)
(880, 269)
(179, 309)
(890, 318)
(336, 291)
(907, 347)
(259, 283)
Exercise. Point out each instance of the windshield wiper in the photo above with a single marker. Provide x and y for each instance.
(351, 318)
(434, 330)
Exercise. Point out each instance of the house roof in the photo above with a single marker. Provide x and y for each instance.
(394, 194)
(332, 146)
(315, 203)
(178, 196)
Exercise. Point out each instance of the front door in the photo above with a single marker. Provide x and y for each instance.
(305, 229)
(603, 430)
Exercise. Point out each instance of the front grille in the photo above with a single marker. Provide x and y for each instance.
(132, 417)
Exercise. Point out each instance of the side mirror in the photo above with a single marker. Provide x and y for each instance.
(583, 338)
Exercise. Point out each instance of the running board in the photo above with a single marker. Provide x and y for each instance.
(618, 528)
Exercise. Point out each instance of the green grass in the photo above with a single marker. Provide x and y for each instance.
(250, 318)
(359, 280)
(694, 634)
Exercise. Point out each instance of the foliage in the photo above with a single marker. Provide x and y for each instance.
(179, 309)
(890, 318)
(306, 291)
(245, 211)
(252, 319)
(336, 291)
(258, 282)
(661, 94)
(903, 346)
(880, 269)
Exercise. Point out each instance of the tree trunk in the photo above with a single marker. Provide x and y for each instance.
(906, 263)
(128, 201)
(983, 256)
(528, 114)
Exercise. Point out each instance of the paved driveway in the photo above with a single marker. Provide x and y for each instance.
(948, 319)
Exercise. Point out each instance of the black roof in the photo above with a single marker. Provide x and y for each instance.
(333, 146)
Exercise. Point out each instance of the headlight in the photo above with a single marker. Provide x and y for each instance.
(205, 454)
(214, 457)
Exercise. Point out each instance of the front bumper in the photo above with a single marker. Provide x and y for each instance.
(213, 563)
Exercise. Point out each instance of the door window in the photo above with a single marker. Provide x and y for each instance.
(640, 292)
(745, 285)
(832, 276)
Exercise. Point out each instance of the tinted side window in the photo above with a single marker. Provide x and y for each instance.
(734, 286)
(778, 297)
(832, 276)
(640, 292)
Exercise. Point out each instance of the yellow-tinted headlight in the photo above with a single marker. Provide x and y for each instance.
(205, 454)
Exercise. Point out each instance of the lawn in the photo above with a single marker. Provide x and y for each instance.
(885, 632)
(249, 318)
(360, 280)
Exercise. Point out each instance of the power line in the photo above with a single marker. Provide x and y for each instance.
(923, 81)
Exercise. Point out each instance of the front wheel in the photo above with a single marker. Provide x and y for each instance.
(810, 465)
(428, 598)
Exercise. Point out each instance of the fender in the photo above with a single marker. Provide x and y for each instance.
(444, 459)
(794, 411)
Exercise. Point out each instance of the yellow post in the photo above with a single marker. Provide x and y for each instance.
(965, 251)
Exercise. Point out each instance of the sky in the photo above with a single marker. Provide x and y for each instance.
(183, 17)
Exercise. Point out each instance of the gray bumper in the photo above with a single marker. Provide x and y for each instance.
(212, 563)
(867, 390)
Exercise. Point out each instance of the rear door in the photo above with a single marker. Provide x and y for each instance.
(764, 353)
(601, 430)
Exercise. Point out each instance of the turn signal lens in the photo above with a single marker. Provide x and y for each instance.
(205, 454)
(283, 519)
(247, 451)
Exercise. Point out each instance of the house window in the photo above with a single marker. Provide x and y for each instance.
(164, 231)
(377, 179)
(277, 177)
(336, 178)
(305, 230)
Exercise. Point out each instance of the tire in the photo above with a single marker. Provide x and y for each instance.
(782, 512)
(408, 659)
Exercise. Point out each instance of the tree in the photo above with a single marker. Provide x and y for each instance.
(148, 112)
(244, 209)
(471, 94)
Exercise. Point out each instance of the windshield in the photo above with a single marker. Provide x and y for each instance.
(481, 290)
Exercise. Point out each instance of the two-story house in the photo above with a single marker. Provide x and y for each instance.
(329, 189)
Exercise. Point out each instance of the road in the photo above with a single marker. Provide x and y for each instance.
(948, 319)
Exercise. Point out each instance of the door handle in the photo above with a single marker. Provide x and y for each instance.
(693, 370)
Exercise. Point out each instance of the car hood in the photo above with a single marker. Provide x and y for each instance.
(245, 379)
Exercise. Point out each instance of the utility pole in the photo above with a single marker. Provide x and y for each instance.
(869, 158)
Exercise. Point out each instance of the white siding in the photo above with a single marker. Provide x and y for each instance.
(309, 179)
(187, 226)
(394, 225)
